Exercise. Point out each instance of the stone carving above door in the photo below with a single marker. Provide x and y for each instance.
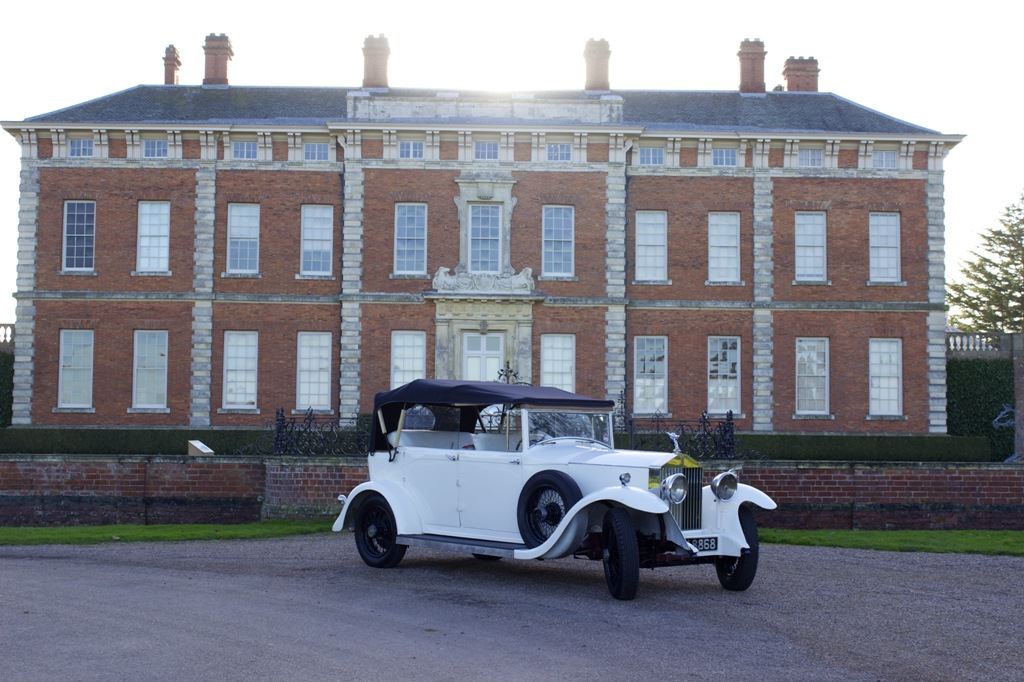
(521, 282)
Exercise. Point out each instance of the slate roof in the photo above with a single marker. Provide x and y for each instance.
(653, 109)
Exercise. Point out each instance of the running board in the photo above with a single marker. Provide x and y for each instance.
(487, 547)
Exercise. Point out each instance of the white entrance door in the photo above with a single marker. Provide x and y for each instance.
(483, 355)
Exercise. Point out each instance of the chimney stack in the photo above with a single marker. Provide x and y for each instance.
(375, 61)
(172, 62)
(751, 56)
(597, 53)
(218, 54)
(801, 74)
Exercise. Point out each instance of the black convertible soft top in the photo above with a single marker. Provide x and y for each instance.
(475, 395)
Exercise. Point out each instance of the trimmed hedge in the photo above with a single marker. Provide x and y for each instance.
(840, 447)
(976, 390)
(66, 441)
(6, 388)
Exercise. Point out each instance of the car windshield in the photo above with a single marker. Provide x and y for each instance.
(564, 424)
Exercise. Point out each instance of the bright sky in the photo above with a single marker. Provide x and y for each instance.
(952, 67)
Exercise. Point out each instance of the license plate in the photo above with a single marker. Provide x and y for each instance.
(704, 544)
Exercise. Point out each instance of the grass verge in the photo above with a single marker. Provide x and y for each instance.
(91, 535)
(995, 542)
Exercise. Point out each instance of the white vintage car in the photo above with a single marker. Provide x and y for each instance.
(524, 472)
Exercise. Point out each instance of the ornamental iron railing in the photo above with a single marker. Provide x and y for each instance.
(312, 435)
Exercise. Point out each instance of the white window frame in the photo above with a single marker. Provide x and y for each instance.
(651, 155)
(824, 341)
(136, 368)
(237, 145)
(720, 155)
(488, 145)
(547, 214)
(316, 148)
(811, 153)
(306, 218)
(302, 388)
(715, 341)
(412, 338)
(483, 353)
(77, 146)
(639, 408)
(646, 246)
(145, 231)
(801, 251)
(232, 229)
(64, 240)
(151, 144)
(559, 152)
(872, 411)
(875, 250)
(228, 335)
(716, 274)
(65, 336)
(549, 349)
(400, 208)
(884, 159)
(497, 209)
(410, 149)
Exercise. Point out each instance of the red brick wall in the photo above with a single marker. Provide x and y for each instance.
(278, 326)
(848, 158)
(588, 325)
(190, 148)
(849, 334)
(847, 204)
(688, 157)
(373, 149)
(687, 332)
(280, 195)
(113, 324)
(116, 192)
(597, 152)
(378, 321)
(688, 202)
(523, 151)
(117, 147)
(301, 489)
(383, 188)
(45, 145)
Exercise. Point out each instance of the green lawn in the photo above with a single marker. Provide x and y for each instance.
(90, 535)
(1004, 542)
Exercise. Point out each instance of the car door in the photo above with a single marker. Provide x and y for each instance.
(488, 492)
(430, 476)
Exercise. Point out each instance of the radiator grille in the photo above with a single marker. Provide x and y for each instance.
(687, 512)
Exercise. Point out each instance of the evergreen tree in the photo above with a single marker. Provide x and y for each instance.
(990, 295)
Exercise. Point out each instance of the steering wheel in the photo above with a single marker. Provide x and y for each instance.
(576, 438)
(536, 438)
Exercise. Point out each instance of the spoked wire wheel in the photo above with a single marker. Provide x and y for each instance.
(377, 534)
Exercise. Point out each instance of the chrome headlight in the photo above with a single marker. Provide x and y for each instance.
(724, 484)
(673, 488)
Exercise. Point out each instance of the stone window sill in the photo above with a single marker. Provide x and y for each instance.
(886, 418)
(709, 283)
(651, 415)
(74, 410)
(812, 282)
(722, 415)
(886, 284)
(238, 410)
(154, 273)
(558, 278)
(79, 273)
(652, 282)
(316, 278)
(395, 275)
(149, 410)
(814, 417)
(326, 413)
(241, 275)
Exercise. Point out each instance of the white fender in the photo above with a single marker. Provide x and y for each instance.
(575, 523)
(407, 518)
(747, 493)
(722, 517)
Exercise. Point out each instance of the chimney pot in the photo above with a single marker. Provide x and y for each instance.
(597, 53)
(172, 62)
(218, 54)
(375, 61)
(751, 56)
(801, 74)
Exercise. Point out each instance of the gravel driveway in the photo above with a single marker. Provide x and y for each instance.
(307, 608)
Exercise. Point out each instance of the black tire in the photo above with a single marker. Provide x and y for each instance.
(621, 554)
(543, 503)
(376, 533)
(737, 573)
(486, 557)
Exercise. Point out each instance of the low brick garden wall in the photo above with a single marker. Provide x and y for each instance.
(55, 490)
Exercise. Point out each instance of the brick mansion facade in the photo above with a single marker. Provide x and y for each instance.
(203, 255)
